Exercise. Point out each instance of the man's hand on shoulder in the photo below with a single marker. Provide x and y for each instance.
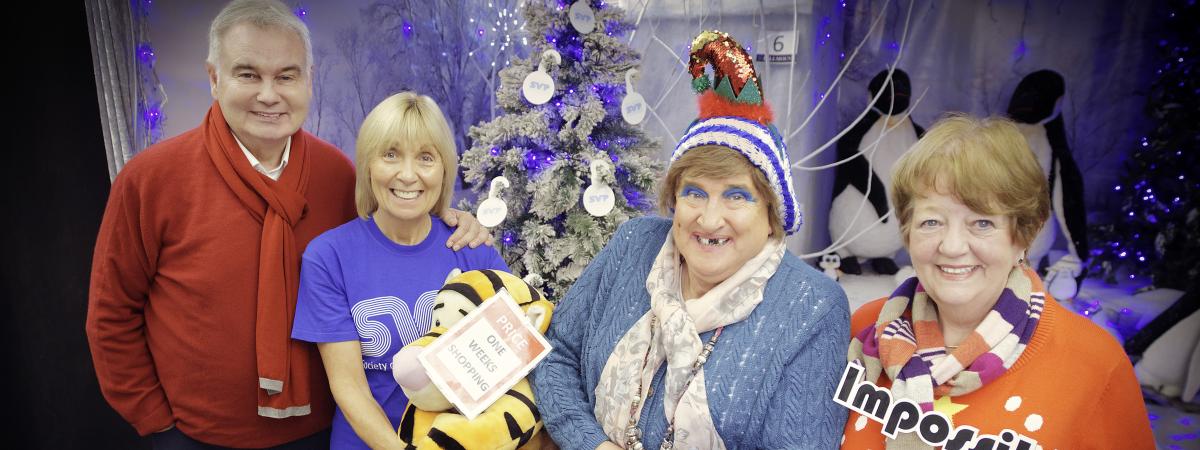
(467, 230)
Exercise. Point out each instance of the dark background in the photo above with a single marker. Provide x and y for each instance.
(55, 188)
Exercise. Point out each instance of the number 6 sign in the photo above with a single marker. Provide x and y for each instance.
(781, 43)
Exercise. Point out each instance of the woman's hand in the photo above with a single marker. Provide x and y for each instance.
(348, 383)
(608, 445)
(467, 229)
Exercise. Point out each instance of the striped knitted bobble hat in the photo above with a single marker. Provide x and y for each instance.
(734, 115)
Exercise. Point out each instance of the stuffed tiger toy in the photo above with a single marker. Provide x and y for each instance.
(430, 421)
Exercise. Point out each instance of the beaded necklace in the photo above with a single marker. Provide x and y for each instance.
(633, 433)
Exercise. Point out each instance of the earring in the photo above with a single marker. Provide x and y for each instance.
(1021, 259)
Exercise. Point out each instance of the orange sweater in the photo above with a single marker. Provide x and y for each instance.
(1072, 388)
(172, 305)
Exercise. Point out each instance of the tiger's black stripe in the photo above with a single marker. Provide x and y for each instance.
(537, 416)
(497, 282)
(442, 440)
(433, 334)
(466, 291)
(533, 295)
(406, 426)
(515, 431)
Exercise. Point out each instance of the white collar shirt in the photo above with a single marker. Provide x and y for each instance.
(254, 162)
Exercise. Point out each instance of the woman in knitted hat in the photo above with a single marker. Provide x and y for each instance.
(973, 350)
(700, 330)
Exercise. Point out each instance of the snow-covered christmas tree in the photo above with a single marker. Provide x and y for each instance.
(546, 150)
(1156, 236)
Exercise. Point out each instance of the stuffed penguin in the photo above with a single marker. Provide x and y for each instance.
(830, 263)
(1035, 108)
(851, 178)
(429, 421)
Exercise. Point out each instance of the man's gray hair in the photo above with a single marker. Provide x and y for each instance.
(260, 13)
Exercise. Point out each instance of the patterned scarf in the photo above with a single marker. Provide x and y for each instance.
(676, 340)
(906, 343)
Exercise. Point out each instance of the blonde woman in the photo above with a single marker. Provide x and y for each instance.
(367, 287)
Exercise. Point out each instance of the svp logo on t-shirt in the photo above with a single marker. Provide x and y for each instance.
(385, 324)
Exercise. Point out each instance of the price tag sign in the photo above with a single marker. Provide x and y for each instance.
(483, 355)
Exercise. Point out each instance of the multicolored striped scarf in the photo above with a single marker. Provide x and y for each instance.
(906, 341)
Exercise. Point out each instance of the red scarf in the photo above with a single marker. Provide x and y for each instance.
(283, 364)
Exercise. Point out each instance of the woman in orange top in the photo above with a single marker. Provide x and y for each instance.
(972, 352)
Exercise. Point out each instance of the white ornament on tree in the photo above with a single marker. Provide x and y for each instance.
(582, 17)
(598, 199)
(538, 86)
(493, 210)
(633, 107)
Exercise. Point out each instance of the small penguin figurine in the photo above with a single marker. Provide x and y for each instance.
(850, 179)
(830, 263)
(1035, 108)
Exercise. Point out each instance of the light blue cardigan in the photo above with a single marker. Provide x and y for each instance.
(770, 379)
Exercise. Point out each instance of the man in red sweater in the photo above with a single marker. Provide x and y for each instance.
(196, 266)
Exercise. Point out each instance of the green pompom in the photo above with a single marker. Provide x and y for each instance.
(701, 84)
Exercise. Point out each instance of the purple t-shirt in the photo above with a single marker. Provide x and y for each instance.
(356, 284)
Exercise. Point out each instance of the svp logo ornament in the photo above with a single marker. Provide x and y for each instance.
(538, 87)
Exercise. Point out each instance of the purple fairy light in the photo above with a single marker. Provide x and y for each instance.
(495, 151)
(1019, 52)
(152, 117)
(151, 114)
(632, 196)
(407, 30)
(508, 238)
(145, 53)
(538, 160)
